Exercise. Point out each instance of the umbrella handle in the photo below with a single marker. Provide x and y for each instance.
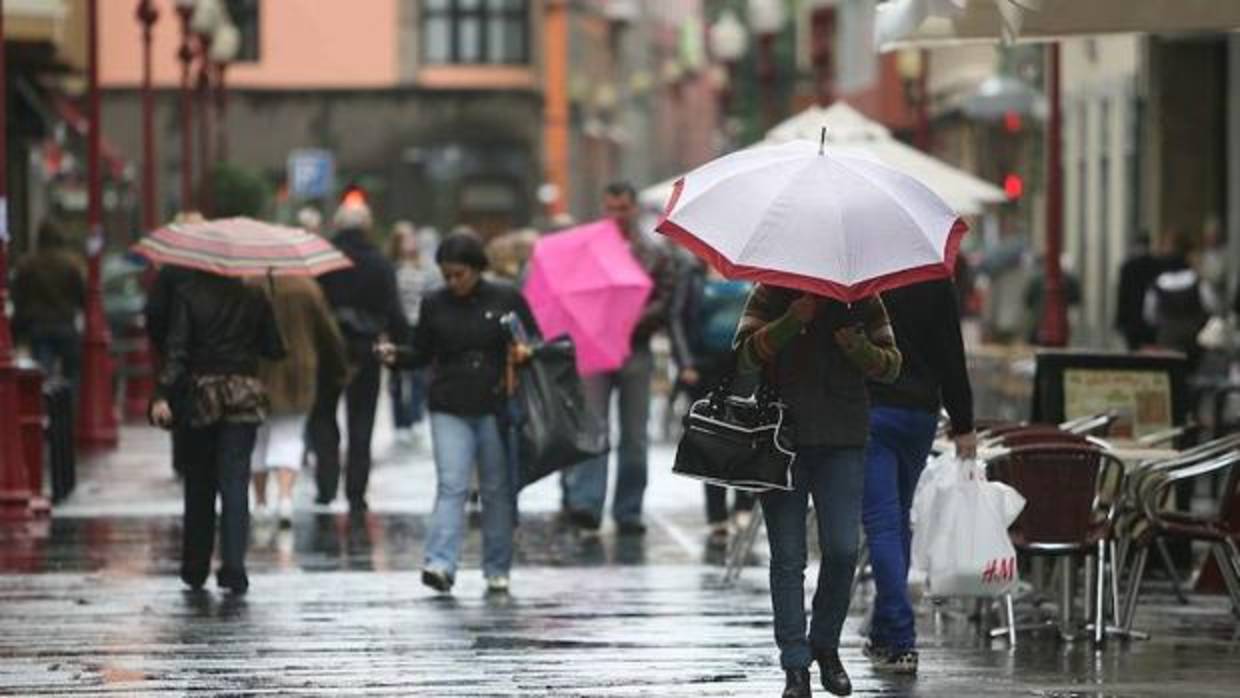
(822, 141)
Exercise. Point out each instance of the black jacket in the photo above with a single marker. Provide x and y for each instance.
(218, 326)
(364, 296)
(466, 347)
(926, 322)
(159, 299)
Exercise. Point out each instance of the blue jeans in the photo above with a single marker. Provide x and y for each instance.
(459, 442)
(835, 478)
(900, 441)
(408, 390)
(585, 485)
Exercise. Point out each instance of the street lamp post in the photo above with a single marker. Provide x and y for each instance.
(1054, 325)
(147, 16)
(727, 41)
(766, 18)
(224, 47)
(185, 54)
(15, 494)
(205, 160)
(96, 416)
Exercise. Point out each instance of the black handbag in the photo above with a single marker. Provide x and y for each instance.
(744, 442)
(556, 429)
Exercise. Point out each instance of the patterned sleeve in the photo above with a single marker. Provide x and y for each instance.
(871, 344)
(765, 328)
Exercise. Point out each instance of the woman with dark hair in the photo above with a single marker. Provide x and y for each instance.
(209, 386)
(819, 353)
(460, 336)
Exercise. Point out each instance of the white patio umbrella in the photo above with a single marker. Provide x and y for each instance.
(824, 221)
(850, 129)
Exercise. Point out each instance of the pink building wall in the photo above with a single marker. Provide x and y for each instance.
(304, 44)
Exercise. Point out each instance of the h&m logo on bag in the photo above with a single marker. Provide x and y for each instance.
(999, 570)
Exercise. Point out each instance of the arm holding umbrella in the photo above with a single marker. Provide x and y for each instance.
(871, 344)
(764, 330)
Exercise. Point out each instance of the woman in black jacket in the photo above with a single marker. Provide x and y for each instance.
(460, 336)
(219, 329)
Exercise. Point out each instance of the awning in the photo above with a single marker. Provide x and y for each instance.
(927, 22)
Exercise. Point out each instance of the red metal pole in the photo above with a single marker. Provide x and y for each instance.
(205, 161)
(15, 494)
(147, 16)
(186, 55)
(1055, 312)
(221, 115)
(96, 416)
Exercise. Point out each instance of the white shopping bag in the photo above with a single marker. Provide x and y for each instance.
(964, 543)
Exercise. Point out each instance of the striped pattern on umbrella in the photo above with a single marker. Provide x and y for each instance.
(242, 247)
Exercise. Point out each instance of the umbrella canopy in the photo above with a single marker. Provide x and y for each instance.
(848, 128)
(829, 223)
(584, 282)
(242, 247)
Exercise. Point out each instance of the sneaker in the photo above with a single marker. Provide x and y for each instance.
(741, 520)
(497, 584)
(439, 581)
(898, 662)
(584, 520)
(284, 510)
(261, 513)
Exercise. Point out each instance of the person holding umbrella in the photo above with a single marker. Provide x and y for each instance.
(461, 338)
(219, 330)
(823, 233)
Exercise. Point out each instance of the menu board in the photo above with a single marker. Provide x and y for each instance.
(1140, 399)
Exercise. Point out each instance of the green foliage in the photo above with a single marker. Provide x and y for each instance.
(237, 191)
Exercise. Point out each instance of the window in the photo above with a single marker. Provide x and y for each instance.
(475, 31)
(244, 14)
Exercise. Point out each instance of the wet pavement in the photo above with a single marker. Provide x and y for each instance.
(90, 605)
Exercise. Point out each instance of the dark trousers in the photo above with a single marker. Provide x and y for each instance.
(717, 503)
(217, 463)
(408, 390)
(58, 351)
(711, 370)
(361, 398)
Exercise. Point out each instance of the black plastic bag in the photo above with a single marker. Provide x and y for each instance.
(556, 428)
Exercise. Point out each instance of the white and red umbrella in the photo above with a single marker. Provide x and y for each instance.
(242, 247)
(828, 222)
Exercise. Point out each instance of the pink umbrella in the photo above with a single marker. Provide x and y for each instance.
(585, 283)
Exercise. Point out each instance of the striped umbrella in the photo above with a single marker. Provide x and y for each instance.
(242, 247)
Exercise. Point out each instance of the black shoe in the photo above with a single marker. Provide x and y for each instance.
(834, 678)
(631, 528)
(796, 684)
(439, 581)
(235, 582)
(583, 520)
(358, 506)
(195, 578)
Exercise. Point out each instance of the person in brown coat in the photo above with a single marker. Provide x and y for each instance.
(315, 349)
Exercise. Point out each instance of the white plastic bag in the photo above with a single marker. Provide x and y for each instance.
(960, 534)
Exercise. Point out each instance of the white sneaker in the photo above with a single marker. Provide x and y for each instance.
(741, 520)
(260, 513)
(497, 585)
(284, 510)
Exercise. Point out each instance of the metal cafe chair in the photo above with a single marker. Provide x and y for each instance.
(1215, 529)
(1071, 492)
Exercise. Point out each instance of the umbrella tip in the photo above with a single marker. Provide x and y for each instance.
(822, 141)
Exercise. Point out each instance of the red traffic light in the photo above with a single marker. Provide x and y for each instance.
(1013, 186)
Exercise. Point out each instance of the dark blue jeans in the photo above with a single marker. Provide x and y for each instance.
(834, 477)
(408, 390)
(58, 351)
(217, 463)
(900, 442)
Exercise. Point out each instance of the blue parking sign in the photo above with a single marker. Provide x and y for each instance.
(311, 173)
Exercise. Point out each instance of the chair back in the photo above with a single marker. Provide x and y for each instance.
(1070, 492)
(1041, 435)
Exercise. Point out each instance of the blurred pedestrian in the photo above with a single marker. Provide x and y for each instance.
(416, 277)
(1213, 266)
(367, 307)
(49, 299)
(1180, 302)
(819, 353)
(316, 360)
(702, 323)
(460, 337)
(1035, 297)
(309, 218)
(219, 330)
(158, 318)
(585, 485)
(903, 421)
(1148, 260)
